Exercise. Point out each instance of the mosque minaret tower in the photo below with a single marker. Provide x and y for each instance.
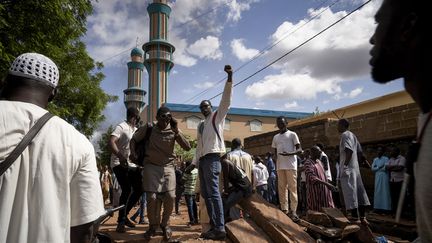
(134, 94)
(158, 58)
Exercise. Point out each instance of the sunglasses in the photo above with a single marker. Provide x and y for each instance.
(165, 116)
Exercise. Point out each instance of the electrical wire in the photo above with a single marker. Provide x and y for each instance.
(297, 47)
(263, 51)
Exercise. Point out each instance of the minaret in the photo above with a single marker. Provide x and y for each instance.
(134, 94)
(158, 56)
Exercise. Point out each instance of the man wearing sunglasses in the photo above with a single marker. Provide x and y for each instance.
(210, 147)
(158, 172)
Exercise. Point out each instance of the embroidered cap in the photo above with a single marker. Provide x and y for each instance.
(36, 66)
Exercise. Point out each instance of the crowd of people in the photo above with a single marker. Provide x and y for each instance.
(52, 192)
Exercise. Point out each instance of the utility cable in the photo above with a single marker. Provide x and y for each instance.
(297, 47)
(263, 51)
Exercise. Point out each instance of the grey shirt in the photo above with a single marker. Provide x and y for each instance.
(158, 172)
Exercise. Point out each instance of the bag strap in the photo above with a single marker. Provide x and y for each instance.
(148, 132)
(24, 143)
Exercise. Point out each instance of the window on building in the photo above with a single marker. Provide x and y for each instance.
(255, 126)
(227, 126)
(192, 122)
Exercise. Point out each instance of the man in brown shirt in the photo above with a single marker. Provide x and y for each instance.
(158, 168)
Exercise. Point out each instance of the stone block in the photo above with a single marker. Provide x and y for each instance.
(246, 231)
(394, 125)
(412, 122)
(384, 112)
(394, 117)
(408, 114)
(400, 108)
(318, 218)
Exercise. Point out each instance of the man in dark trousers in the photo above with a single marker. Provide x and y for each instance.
(402, 49)
(126, 172)
(236, 185)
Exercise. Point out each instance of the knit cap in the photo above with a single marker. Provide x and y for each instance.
(37, 67)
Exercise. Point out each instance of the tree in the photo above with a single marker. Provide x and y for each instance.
(104, 155)
(54, 28)
(186, 155)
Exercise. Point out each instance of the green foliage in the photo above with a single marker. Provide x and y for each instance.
(54, 28)
(104, 155)
(186, 155)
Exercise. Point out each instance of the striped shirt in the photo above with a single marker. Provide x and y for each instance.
(318, 195)
(189, 181)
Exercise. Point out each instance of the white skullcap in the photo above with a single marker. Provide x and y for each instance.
(36, 66)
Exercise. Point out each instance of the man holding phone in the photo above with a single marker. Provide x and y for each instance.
(158, 171)
(287, 145)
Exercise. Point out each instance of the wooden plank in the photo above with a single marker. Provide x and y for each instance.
(330, 232)
(318, 218)
(365, 234)
(273, 221)
(246, 231)
(337, 217)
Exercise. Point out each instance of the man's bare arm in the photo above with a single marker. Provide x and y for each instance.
(116, 151)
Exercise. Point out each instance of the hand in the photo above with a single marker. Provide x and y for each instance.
(334, 189)
(174, 125)
(123, 161)
(228, 69)
(133, 157)
(189, 168)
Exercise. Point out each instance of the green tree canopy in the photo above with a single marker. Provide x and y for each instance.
(186, 155)
(104, 155)
(54, 28)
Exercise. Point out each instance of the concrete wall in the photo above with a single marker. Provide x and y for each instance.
(391, 126)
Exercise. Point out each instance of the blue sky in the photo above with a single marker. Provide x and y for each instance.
(329, 72)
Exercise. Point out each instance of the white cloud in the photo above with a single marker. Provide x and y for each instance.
(206, 48)
(181, 57)
(260, 103)
(113, 29)
(241, 52)
(291, 86)
(338, 55)
(340, 52)
(237, 7)
(291, 105)
(355, 92)
(204, 85)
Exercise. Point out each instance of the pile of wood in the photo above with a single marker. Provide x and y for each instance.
(269, 224)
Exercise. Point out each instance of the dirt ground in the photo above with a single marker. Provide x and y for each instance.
(181, 231)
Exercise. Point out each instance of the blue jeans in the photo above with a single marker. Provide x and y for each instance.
(271, 193)
(208, 171)
(141, 209)
(262, 190)
(192, 208)
(232, 199)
